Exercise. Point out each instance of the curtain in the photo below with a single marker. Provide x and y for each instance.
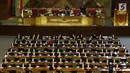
(21, 6)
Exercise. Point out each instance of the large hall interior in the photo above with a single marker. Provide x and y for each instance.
(64, 36)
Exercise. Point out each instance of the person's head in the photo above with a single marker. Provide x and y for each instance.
(110, 63)
(67, 7)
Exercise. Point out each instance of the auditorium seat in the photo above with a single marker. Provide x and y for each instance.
(34, 12)
(103, 71)
(88, 71)
(58, 71)
(73, 71)
(28, 71)
(43, 71)
(119, 71)
(76, 12)
(42, 11)
(55, 12)
(66, 52)
(12, 71)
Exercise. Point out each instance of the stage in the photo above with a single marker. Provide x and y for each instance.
(13, 30)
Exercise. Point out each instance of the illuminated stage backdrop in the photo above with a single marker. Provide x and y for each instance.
(106, 4)
(71, 3)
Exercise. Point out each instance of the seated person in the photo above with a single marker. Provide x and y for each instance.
(67, 10)
(83, 9)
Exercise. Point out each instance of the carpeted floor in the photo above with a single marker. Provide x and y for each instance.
(5, 42)
(126, 42)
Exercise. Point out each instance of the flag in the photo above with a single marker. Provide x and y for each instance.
(21, 8)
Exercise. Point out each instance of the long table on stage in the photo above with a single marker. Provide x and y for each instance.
(67, 30)
(63, 21)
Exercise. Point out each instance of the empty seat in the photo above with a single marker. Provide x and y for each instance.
(58, 71)
(119, 72)
(103, 71)
(73, 71)
(43, 71)
(12, 71)
(28, 71)
(88, 71)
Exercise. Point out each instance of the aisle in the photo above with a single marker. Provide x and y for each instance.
(126, 42)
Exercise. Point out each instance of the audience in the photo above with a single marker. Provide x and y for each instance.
(66, 52)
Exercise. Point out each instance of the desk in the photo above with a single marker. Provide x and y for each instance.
(62, 21)
(99, 21)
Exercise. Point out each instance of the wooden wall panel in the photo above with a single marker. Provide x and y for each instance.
(3, 9)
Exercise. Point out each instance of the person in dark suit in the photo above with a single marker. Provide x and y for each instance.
(110, 67)
(83, 9)
(67, 10)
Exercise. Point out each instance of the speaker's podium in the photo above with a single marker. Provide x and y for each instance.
(121, 16)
